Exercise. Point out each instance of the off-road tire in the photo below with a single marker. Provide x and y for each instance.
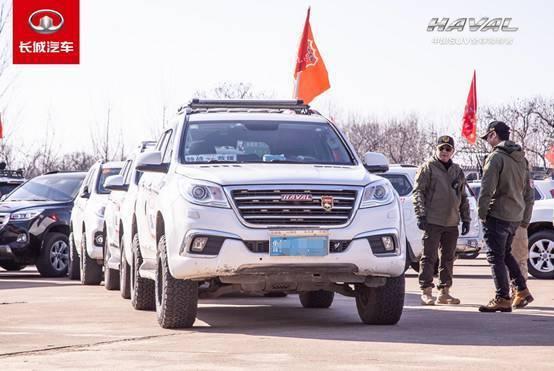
(176, 300)
(316, 299)
(12, 266)
(111, 276)
(46, 264)
(91, 271)
(73, 267)
(141, 288)
(124, 273)
(381, 305)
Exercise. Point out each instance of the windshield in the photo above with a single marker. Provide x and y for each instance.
(48, 188)
(104, 173)
(264, 141)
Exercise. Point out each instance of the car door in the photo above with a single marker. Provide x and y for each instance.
(79, 206)
(157, 182)
(115, 200)
(146, 206)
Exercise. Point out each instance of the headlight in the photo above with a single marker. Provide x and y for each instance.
(377, 193)
(206, 194)
(27, 214)
(99, 211)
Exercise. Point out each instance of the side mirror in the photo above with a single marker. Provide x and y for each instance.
(151, 162)
(3, 197)
(115, 183)
(85, 193)
(375, 162)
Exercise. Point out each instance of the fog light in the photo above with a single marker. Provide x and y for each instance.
(99, 240)
(388, 243)
(22, 238)
(198, 244)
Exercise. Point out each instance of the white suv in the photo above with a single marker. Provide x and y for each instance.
(87, 221)
(261, 197)
(403, 179)
(118, 218)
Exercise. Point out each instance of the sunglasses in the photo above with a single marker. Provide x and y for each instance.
(445, 148)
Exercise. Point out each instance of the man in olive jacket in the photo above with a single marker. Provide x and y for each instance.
(505, 203)
(440, 199)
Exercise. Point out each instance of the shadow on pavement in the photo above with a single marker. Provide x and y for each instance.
(421, 325)
(29, 279)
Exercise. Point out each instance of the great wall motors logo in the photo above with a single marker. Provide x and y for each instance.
(482, 31)
(46, 32)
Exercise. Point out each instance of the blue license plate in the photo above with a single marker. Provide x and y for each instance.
(298, 246)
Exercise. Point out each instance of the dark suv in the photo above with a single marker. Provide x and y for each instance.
(34, 223)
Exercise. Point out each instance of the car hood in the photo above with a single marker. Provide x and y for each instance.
(240, 174)
(10, 207)
(543, 211)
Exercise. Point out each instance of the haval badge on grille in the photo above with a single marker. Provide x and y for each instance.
(296, 197)
(327, 203)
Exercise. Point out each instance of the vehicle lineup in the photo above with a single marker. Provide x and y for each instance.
(259, 197)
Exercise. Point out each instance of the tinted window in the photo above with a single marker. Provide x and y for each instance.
(7, 188)
(48, 188)
(537, 195)
(263, 141)
(400, 183)
(104, 173)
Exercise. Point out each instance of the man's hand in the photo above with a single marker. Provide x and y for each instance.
(465, 228)
(422, 223)
(524, 225)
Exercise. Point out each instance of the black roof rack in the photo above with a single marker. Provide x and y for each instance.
(203, 105)
(12, 173)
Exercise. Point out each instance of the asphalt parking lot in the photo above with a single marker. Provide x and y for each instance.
(59, 324)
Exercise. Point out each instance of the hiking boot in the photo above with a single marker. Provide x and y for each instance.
(497, 305)
(446, 298)
(522, 298)
(427, 296)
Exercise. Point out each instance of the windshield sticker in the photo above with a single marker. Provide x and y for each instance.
(211, 157)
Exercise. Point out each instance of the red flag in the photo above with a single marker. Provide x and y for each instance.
(310, 73)
(469, 125)
(550, 156)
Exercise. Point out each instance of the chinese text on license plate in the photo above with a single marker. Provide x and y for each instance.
(299, 243)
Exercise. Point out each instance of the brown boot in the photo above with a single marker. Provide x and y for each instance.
(497, 305)
(427, 296)
(522, 298)
(446, 298)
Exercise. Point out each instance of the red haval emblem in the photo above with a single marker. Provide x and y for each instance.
(327, 203)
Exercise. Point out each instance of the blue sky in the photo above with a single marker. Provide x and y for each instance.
(139, 56)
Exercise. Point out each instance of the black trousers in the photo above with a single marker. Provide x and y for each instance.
(438, 239)
(499, 235)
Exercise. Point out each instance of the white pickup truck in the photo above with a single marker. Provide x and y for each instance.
(262, 197)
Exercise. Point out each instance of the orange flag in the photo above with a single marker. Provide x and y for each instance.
(311, 78)
(469, 125)
(550, 156)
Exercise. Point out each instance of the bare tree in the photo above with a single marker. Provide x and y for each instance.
(77, 161)
(106, 145)
(233, 90)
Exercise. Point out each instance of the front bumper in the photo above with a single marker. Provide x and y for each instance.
(18, 244)
(95, 238)
(237, 257)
